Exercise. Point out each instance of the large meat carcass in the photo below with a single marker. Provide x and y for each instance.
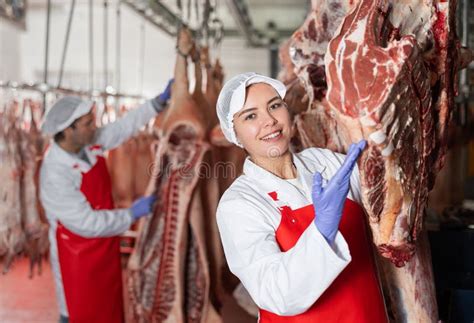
(34, 223)
(120, 163)
(386, 77)
(12, 237)
(208, 186)
(168, 270)
(129, 164)
(303, 57)
(23, 226)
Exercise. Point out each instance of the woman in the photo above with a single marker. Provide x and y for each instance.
(297, 267)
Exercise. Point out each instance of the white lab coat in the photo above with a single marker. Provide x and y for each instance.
(60, 183)
(284, 283)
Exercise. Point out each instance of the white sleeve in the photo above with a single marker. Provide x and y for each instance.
(284, 283)
(62, 201)
(115, 133)
(355, 185)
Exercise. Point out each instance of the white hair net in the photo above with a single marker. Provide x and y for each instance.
(64, 112)
(232, 98)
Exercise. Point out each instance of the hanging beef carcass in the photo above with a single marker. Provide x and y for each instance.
(391, 82)
(296, 97)
(12, 237)
(379, 89)
(35, 226)
(306, 49)
(168, 273)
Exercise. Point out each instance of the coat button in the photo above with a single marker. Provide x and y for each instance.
(293, 220)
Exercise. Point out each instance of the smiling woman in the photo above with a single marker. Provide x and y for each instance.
(296, 266)
(263, 127)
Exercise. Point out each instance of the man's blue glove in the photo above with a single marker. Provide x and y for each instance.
(159, 102)
(142, 206)
(329, 201)
(166, 95)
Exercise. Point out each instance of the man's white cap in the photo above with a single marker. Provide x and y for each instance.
(232, 98)
(64, 112)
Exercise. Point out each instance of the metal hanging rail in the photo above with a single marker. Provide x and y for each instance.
(44, 89)
(158, 15)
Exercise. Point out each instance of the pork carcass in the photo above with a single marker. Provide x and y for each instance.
(168, 273)
(218, 75)
(143, 161)
(12, 237)
(130, 163)
(228, 163)
(208, 186)
(213, 80)
(121, 166)
(35, 226)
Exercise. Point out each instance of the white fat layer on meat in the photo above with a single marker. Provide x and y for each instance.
(388, 116)
(367, 121)
(378, 137)
(395, 127)
(357, 36)
(365, 50)
(339, 59)
(398, 173)
(443, 6)
(387, 151)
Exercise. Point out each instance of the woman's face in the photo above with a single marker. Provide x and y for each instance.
(263, 125)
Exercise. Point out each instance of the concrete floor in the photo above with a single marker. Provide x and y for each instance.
(24, 300)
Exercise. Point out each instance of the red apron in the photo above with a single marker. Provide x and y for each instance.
(355, 295)
(90, 267)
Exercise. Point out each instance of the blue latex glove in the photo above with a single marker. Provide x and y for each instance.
(329, 201)
(159, 102)
(142, 206)
(166, 95)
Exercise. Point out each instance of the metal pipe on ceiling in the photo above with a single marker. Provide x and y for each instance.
(162, 17)
(240, 13)
(158, 15)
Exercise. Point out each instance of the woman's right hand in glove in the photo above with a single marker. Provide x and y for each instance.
(329, 201)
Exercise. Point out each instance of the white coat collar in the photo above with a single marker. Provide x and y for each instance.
(275, 187)
(56, 153)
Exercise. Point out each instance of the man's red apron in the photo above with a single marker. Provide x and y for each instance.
(90, 267)
(355, 295)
